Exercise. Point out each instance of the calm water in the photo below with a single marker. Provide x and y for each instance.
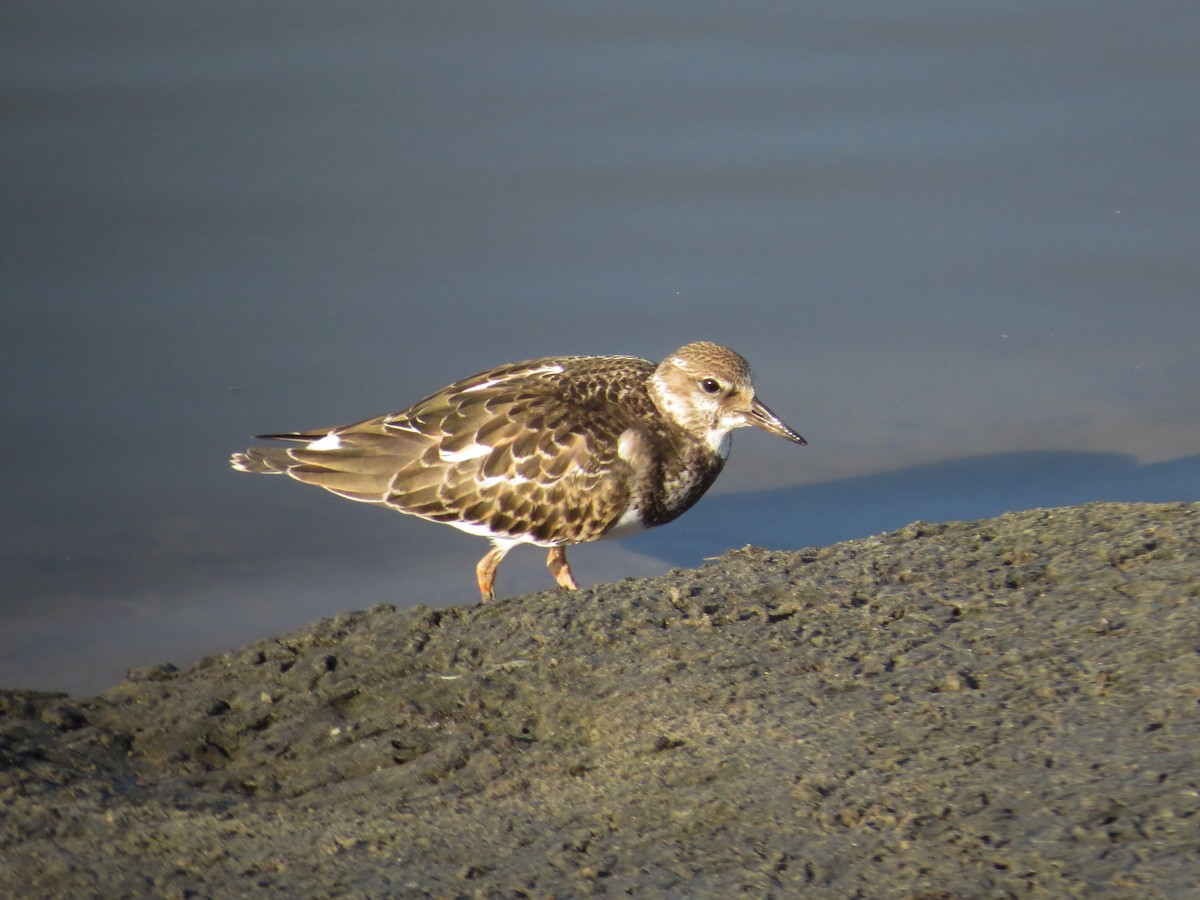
(958, 242)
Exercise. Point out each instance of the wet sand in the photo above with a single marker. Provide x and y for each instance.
(1009, 707)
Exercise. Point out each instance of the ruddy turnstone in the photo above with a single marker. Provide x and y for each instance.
(552, 452)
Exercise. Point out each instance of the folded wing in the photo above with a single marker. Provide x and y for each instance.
(501, 455)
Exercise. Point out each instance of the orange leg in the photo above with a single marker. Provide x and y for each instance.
(557, 563)
(485, 572)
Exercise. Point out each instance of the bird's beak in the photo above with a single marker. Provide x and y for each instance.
(762, 417)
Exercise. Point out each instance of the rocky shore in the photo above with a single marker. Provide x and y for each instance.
(1004, 708)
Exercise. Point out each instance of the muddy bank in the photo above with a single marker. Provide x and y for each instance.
(988, 709)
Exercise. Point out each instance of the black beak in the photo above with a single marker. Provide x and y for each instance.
(761, 416)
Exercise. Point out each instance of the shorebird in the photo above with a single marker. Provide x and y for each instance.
(552, 452)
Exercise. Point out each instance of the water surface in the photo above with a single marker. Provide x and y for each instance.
(958, 243)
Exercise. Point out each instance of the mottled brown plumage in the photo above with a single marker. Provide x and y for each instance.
(553, 452)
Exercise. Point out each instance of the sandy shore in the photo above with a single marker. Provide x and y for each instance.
(990, 709)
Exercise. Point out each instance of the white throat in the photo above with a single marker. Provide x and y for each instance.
(724, 442)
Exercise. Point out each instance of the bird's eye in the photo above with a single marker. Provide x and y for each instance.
(710, 385)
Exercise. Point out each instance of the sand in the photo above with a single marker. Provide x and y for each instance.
(1003, 708)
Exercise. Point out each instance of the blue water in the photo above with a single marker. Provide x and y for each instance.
(958, 243)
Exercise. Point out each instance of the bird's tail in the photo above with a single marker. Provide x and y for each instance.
(262, 460)
(271, 460)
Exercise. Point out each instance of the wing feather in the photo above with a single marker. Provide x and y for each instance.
(524, 451)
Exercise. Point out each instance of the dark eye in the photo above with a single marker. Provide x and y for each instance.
(710, 385)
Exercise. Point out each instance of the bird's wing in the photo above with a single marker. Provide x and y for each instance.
(512, 457)
(502, 453)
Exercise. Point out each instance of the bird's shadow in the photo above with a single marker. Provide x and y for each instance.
(964, 489)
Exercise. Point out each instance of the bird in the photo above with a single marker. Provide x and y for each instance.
(554, 452)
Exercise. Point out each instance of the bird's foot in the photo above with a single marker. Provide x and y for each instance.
(557, 563)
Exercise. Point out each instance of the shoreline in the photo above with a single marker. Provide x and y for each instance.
(958, 709)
